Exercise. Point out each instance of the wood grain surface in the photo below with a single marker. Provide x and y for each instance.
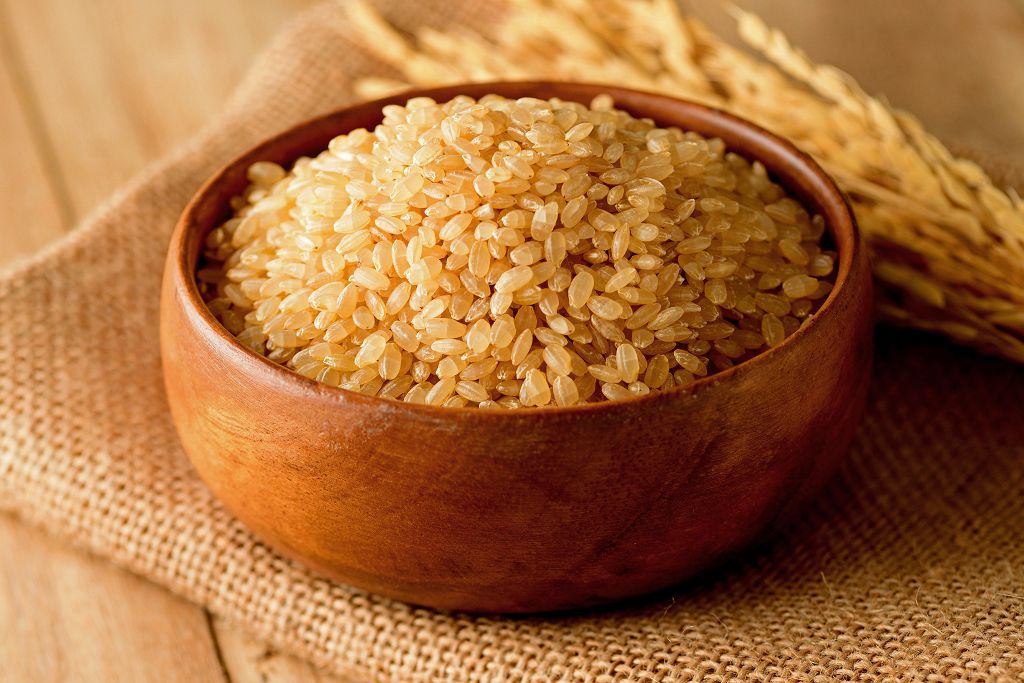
(91, 92)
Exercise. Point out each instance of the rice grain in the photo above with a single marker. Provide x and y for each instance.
(499, 253)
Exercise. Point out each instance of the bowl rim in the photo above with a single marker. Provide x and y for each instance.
(822, 186)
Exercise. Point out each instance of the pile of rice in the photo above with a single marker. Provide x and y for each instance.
(503, 253)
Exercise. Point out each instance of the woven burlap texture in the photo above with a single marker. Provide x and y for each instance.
(910, 566)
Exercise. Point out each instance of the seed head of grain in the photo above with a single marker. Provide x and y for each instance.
(935, 222)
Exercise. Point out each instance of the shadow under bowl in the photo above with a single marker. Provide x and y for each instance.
(518, 510)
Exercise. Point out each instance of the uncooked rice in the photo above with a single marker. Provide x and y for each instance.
(514, 253)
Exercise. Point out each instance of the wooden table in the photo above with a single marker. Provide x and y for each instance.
(90, 92)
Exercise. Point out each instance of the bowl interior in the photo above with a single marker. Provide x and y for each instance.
(787, 165)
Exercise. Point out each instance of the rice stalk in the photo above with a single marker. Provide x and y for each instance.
(947, 243)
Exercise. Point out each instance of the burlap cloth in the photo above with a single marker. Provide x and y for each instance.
(910, 566)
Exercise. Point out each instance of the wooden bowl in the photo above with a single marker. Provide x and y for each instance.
(520, 510)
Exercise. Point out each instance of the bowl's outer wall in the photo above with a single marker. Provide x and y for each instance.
(518, 510)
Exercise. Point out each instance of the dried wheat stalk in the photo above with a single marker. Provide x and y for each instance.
(947, 243)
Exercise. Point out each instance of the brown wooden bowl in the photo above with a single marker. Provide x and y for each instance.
(519, 510)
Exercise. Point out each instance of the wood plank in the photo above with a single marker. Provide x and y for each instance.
(958, 65)
(67, 617)
(122, 82)
(110, 101)
(30, 213)
(251, 661)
